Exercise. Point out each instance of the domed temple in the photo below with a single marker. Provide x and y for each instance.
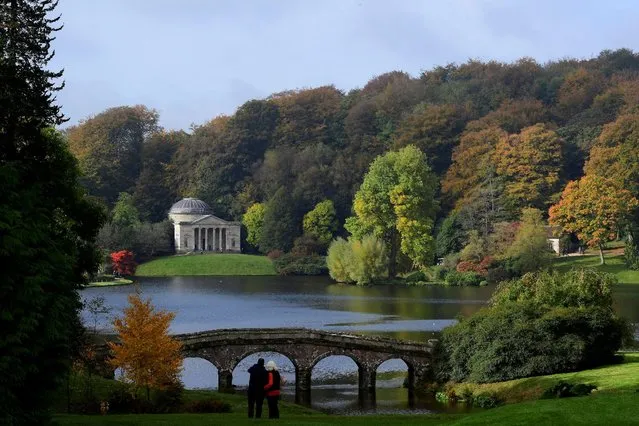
(197, 229)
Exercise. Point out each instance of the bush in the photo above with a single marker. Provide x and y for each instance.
(291, 264)
(498, 274)
(437, 273)
(123, 401)
(208, 406)
(360, 261)
(565, 390)
(308, 245)
(275, 254)
(168, 400)
(338, 260)
(415, 277)
(485, 401)
(463, 279)
(514, 340)
(480, 268)
(576, 288)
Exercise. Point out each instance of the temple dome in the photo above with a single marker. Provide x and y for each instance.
(190, 206)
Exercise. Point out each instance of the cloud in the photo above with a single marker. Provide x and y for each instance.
(201, 58)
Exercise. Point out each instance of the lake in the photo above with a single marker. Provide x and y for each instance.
(411, 313)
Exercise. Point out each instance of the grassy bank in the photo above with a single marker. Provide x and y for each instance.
(207, 264)
(600, 409)
(116, 281)
(614, 265)
(614, 378)
(615, 402)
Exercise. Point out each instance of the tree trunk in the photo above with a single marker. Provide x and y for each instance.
(601, 256)
(392, 257)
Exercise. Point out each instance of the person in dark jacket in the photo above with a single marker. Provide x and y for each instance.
(272, 389)
(257, 381)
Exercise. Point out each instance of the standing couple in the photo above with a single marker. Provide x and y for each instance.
(264, 382)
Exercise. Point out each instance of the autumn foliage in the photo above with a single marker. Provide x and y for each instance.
(123, 262)
(593, 208)
(480, 268)
(148, 356)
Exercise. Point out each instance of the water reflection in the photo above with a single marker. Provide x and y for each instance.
(408, 313)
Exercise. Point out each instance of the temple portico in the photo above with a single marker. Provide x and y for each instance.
(196, 229)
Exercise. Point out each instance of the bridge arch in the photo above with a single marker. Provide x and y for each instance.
(200, 372)
(286, 366)
(331, 353)
(266, 349)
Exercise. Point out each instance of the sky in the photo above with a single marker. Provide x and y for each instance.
(195, 59)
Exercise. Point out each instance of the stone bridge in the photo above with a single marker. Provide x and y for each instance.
(305, 348)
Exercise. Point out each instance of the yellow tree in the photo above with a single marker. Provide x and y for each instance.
(148, 356)
(470, 157)
(593, 208)
(530, 161)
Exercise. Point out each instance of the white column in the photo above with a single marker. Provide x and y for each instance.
(206, 239)
(219, 239)
(226, 238)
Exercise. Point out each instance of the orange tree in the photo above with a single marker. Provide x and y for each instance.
(148, 356)
(593, 208)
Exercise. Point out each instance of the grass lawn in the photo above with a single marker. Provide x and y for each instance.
(614, 403)
(600, 409)
(614, 265)
(207, 264)
(116, 281)
(613, 378)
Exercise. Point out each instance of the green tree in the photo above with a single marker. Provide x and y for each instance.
(109, 148)
(153, 191)
(451, 236)
(368, 260)
(338, 260)
(530, 247)
(357, 261)
(253, 220)
(281, 223)
(46, 222)
(321, 222)
(124, 212)
(396, 204)
(475, 248)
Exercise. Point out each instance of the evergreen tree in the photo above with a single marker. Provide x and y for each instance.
(46, 223)
(281, 223)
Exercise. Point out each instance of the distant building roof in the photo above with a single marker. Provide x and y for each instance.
(190, 206)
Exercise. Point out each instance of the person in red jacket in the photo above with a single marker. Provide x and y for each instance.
(272, 389)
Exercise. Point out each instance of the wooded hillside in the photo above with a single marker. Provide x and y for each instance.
(500, 137)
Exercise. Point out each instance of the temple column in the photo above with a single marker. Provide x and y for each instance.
(219, 239)
(206, 239)
(223, 235)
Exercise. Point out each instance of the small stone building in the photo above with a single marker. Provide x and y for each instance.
(197, 229)
(552, 234)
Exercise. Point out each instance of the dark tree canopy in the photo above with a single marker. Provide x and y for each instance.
(47, 225)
